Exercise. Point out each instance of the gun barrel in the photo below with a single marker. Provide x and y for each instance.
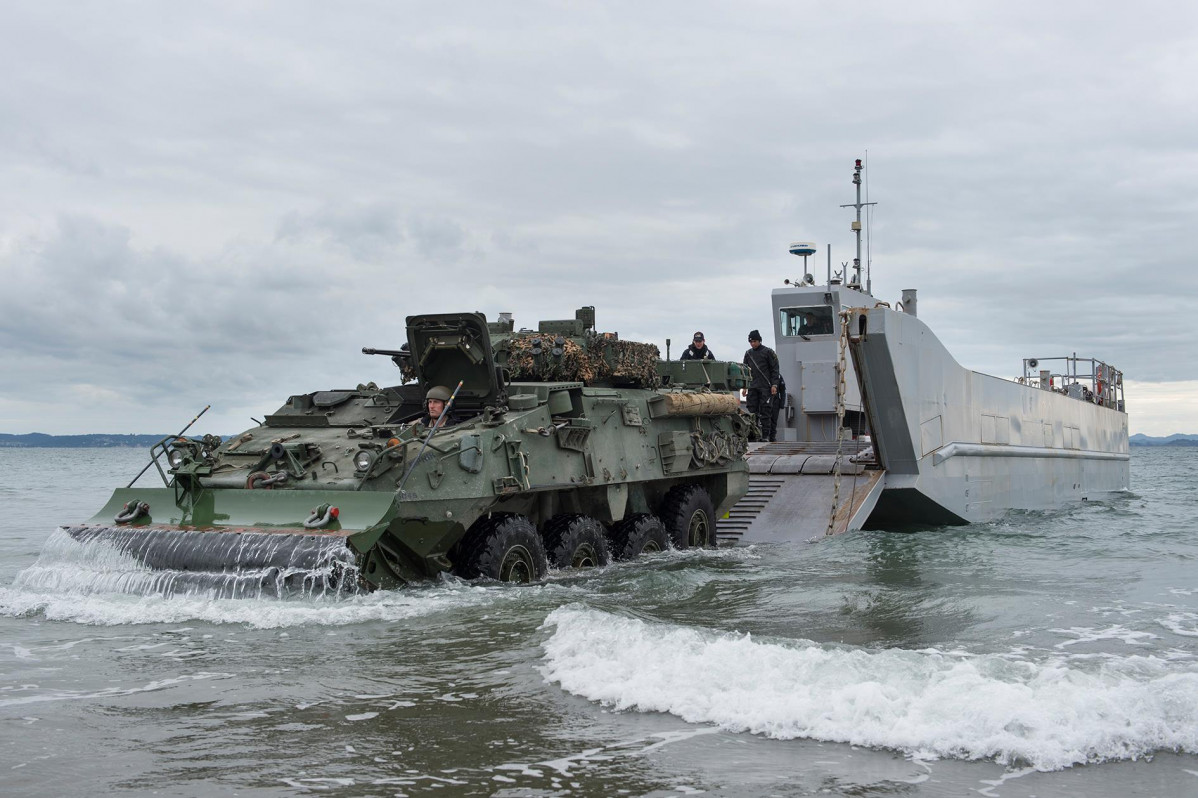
(367, 350)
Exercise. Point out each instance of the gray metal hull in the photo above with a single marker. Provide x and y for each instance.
(958, 446)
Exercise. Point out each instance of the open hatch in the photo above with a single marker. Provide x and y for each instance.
(449, 347)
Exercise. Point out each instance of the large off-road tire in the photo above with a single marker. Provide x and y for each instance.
(576, 541)
(505, 548)
(689, 517)
(637, 535)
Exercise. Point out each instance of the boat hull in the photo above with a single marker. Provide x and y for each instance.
(959, 446)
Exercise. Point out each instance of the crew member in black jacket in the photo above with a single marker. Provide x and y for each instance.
(697, 350)
(763, 363)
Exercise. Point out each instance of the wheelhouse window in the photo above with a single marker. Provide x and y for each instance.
(808, 321)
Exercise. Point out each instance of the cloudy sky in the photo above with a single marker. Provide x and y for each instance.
(223, 202)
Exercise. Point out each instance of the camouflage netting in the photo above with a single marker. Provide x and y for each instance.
(712, 448)
(602, 358)
(632, 361)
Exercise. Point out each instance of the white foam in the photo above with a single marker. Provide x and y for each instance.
(994, 784)
(1182, 623)
(1048, 714)
(100, 585)
(1087, 635)
(114, 609)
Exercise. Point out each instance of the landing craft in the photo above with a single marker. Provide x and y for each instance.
(567, 446)
(881, 426)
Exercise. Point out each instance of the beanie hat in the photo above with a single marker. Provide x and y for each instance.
(754, 335)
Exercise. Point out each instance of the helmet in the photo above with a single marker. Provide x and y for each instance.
(438, 392)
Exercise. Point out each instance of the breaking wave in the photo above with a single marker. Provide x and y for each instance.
(1048, 714)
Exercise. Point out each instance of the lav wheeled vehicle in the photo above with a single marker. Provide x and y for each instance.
(568, 446)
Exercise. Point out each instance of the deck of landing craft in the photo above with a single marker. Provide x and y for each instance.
(792, 486)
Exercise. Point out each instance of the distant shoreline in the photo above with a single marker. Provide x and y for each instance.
(38, 440)
(1176, 439)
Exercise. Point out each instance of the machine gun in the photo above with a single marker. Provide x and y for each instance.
(401, 357)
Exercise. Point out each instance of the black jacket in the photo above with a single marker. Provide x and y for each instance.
(763, 362)
(690, 353)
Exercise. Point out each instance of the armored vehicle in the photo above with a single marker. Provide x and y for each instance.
(559, 445)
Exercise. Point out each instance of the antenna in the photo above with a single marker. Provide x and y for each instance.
(869, 233)
(856, 226)
(803, 248)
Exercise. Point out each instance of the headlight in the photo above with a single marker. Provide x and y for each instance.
(363, 460)
(176, 457)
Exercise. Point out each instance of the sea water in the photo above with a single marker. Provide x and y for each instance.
(1046, 654)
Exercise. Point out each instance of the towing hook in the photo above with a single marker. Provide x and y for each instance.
(262, 479)
(131, 511)
(321, 516)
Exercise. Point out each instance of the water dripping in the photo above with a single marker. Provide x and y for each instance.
(203, 564)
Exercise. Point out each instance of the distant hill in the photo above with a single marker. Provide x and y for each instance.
(38, 440)
(1177, 439)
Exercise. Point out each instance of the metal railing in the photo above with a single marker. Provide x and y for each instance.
(1084, 378)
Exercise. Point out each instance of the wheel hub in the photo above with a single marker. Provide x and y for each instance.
(585, 557)
(517, 566)
(697, 531)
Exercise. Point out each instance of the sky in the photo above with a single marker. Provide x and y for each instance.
(221, 203)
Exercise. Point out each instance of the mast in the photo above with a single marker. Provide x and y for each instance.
(856, 227)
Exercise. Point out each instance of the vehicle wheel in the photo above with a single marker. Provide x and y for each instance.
(637, 535)
(689, 517)
(576, 541)
(505, 548)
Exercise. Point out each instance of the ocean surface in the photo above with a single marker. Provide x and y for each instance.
(1048, 654)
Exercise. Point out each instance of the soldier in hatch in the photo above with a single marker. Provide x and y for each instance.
(434, 407)
(763, 363)
(697, 350)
